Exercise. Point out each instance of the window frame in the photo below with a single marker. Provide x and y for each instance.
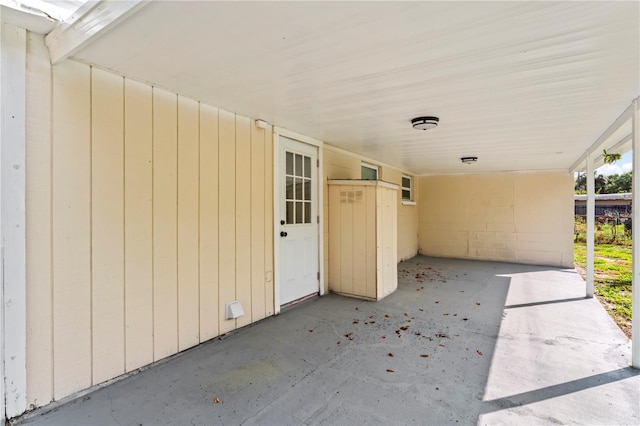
(371, 167)
(406, 201)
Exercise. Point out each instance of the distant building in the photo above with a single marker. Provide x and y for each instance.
(605, 203)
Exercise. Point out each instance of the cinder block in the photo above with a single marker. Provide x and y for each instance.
(496, 244)
(506, 254)
(506, 236)
(491, 236)
(487, 253)
(501, 227)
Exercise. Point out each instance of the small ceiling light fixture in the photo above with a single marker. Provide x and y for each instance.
(424, 123)
(468, 160)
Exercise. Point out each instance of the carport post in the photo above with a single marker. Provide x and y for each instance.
(635, 197)
(591, 207)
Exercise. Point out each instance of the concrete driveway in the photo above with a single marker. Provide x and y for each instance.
(460, 342)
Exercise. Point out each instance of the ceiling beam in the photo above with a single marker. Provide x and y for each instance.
(619, 122)
(87, 24)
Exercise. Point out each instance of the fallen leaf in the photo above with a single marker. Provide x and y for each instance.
(465, 319)
(356, 308)
(478, 303)
(406, 314)
(417, 333)
(437, 301)
(404, 328)
(356, 322)
(446, 314)
(390, 354)
(386, 315)
(216, 400)
(384, 337)
(421, 310)
(372, 322)
(442, 335)
(370, 316)
(455, 315)
(389, 370)
(310, 331)
(338, 342)
(478, 351)
(441, 344)
(424, 356)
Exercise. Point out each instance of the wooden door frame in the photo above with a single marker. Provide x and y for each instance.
(277, 169)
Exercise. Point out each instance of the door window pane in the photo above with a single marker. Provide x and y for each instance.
(298, 165)
(307, 189)
(299, 212)
(289, 163)
(290, 218)
(299, 189)
(307, 212)
(289, 188)
(307, 166)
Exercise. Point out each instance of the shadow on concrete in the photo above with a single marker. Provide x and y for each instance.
(448, 347)
(546, 302)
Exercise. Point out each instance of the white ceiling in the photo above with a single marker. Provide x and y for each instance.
(521, 85)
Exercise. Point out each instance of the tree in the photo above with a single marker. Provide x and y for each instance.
(600, 184)
(617, 184)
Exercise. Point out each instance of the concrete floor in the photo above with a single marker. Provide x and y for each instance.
(504, 343)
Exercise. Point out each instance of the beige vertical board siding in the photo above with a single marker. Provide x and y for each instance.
(498, 216)
(71, 223)
(370, 233)
(38, 223)
(227, 216)
(138, 224)
(268, 220)
(359, 242)
(165, 308)
(243, 217)
(346, 242)
(389, 221)
(258, 272)
(208, 223)
(188, 225)
(335, 255)
(107, 224)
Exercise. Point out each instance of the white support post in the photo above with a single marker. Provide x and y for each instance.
(635, 277)
(12, 213)
(591, 206)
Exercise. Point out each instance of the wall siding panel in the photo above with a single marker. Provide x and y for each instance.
(152, 211)
(258, 281)
(71, 222)
(268, 221)
(243, 217)
(165, 308)
(227, 217)
(138, 229)
(208, 223)
(107, 220)
(38, 223)
(188, 225)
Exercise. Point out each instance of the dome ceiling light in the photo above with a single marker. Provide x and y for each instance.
(424, 123)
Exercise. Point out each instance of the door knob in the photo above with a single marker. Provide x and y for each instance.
(283, 234)
(282, 222)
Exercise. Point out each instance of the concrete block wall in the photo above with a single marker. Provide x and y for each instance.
(514, 217)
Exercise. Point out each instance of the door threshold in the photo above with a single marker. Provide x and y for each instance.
(297, 302)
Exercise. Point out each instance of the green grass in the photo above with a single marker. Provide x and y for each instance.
(612, 265)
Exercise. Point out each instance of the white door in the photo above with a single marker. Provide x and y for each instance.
(298, 225)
